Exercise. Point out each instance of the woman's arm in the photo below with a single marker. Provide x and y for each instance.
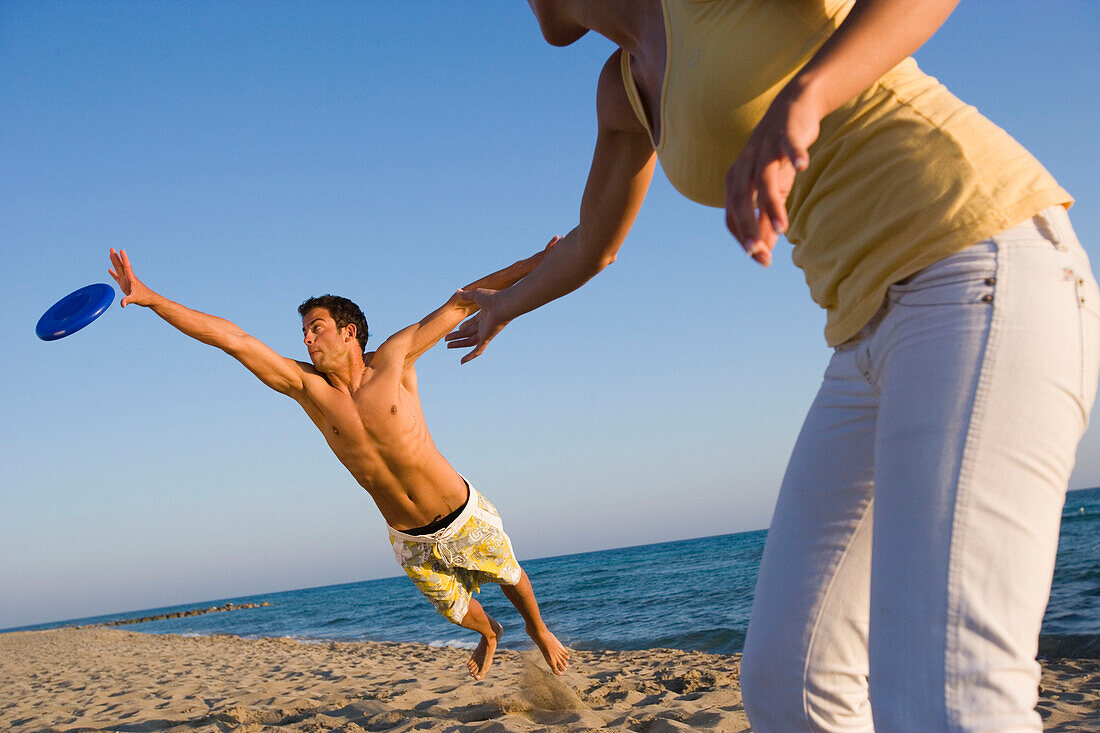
(622, 167)
(875, 37)
(411, 342)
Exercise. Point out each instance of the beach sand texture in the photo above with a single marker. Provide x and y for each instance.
(97, 679)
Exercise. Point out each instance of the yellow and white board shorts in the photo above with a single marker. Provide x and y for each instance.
(450, 565)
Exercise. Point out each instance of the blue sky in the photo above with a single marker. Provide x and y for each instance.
(251, 154)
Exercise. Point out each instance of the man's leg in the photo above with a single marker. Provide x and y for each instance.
(477, 620)
(522, 597)
(450, 594)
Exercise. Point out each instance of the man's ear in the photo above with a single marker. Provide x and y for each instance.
(350, 332)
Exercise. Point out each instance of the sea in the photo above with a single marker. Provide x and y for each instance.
(690, 594)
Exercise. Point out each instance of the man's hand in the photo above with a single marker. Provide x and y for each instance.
(760, 179)
(523, 268)
(479, 329)
(134, 289)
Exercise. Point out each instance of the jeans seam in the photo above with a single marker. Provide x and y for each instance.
(958, 521)
(899, 304)
(1084, 318)
(1081, 326)
(833, 574)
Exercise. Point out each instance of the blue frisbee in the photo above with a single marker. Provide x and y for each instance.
(75, 311)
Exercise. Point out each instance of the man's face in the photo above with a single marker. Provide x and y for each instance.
(325, 343)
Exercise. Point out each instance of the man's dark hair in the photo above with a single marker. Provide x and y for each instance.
(343, 311)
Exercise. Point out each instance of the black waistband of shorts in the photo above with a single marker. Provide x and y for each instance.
(437, 524)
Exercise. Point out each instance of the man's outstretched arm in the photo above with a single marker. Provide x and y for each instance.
(281, 374)
(414, 340)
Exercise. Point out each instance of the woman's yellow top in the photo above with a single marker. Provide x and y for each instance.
(901, 176)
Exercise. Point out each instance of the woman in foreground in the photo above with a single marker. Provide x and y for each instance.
(910, 557)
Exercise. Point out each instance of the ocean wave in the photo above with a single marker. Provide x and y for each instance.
(711, 641)
(1070, 646)
(453, 643)
(339, 620)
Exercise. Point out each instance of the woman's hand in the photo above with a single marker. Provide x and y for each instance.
(480, 328)
(873, 38)
(758, 182)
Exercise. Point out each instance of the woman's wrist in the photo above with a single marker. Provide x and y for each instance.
(504, 305)
(807, 93)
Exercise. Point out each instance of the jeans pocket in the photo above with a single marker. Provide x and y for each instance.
(969, 276)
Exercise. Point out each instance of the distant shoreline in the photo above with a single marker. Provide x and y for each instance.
(175, 614)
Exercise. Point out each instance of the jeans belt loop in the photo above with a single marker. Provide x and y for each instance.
(1050, 228)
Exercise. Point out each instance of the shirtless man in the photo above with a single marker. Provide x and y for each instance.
(448, 537)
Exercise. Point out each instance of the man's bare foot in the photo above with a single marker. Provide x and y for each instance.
(556, 655)
(482, 658)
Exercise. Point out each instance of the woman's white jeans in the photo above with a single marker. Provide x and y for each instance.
(910, 557)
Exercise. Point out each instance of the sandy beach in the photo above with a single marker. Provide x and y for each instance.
(98, 679)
